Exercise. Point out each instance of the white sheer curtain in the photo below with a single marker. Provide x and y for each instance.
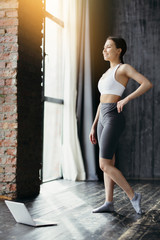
(72, 165)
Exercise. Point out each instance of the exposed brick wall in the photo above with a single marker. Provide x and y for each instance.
(20, 99)
(8, 96)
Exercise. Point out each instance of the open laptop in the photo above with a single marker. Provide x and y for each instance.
(22, 215)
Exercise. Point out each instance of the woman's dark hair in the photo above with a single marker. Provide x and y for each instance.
(120, 43)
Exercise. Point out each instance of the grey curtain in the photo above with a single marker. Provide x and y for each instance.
(84, 96)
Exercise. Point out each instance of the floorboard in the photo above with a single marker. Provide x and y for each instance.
(70, 204)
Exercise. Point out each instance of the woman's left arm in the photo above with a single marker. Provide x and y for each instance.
(145, 85)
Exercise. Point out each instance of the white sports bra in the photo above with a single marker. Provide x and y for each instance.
(109, 85)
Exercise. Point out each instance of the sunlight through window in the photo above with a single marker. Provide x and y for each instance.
(53, 89)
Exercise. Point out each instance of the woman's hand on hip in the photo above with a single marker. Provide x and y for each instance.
(92, 136)
(121, 103)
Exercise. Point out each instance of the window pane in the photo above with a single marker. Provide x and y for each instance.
(53, 60)
(55, 7)
(52, 153)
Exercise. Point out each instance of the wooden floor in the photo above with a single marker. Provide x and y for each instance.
(70, 204)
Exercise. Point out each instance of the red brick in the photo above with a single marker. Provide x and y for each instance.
(2, 178)
(13, 187)
(2, 14)
(9, 73)
(5, 56)
(1, 185)
(10, 99)
(1, 48)
(6, 125)
(2, 82)
(9, 108)
(11, 160)
(10, 168)
(1, 169)
(1, 116)
(7, 39)
(9, 4)
(13, 125)
(10, 117)
(11, 81)
(11, 151)
(1, 132)
(11, 64)
(9, 90)
(2, 151)
(2, 31)
(12, 30)
(1, 93)
(11, 134)
(10, 47)
(2, 100)
(6, 186)
(3, 160)
(9, 177)
(8, 56)
(3, 125)
(12, 14)
(8, 143)
(2, 64)
(8, 21)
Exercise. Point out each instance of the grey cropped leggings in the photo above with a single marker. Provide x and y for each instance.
(110, 126)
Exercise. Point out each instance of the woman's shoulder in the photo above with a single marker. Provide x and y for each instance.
(126, 68)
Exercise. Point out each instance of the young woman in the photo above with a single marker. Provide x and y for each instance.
(109, 121)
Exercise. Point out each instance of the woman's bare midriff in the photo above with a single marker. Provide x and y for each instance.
(109, 98)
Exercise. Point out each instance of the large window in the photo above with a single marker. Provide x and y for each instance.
(53, 66)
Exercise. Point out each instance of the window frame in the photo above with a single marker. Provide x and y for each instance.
(60, 101)
(60, 23)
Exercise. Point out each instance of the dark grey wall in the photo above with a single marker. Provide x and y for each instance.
(138, 22)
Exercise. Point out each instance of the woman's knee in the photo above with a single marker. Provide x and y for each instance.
(105, 165)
